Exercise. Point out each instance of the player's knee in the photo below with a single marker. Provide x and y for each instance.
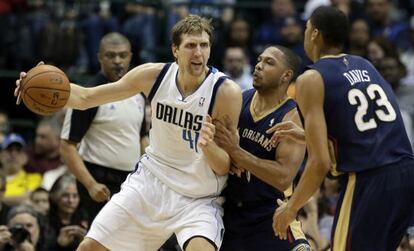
(89, 244)
(200, 243)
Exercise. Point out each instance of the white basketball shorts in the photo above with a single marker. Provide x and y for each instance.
(145, 213)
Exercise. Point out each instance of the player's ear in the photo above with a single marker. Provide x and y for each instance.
(287, 76)
(174, 49)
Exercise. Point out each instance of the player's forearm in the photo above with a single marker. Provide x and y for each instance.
(75, 164)
(217, 158)
(78, 97)
(269, 171)
(312, 178)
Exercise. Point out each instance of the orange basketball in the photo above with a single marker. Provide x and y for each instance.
(45, 89)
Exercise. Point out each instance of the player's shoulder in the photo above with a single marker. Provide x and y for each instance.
(150, 68)
(229, 87)
(310, 78)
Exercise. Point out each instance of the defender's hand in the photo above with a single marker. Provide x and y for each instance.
(286, 129)
(207, 132)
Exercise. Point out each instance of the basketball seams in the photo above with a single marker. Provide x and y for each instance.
(45, 90)
(43, 72)
(52, 107)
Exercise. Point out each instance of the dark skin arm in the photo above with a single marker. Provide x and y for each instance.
(279, 172)
(310, 98)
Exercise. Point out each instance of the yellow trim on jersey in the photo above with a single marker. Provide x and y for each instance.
(334, 56)
(257, 118)
(296, 229)
(342, 226)
(334, 171)
(288, 192)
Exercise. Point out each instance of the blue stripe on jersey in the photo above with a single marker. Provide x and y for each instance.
(362, 115)
(255, 140)
(220, 81)
(158, 81)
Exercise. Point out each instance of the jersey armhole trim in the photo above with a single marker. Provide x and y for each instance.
(158, 81)
(213, 96)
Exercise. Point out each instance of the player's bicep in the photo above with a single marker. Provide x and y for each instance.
(310, 98)
(228, 103)
(139, 79)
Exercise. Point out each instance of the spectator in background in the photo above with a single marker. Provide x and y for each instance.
(236, 66)
(141, 30)
(381, 22)
(310, 225)
(109, 136)
(239, 34)
(271, 31)
(39, 199)
(44, 155)
(67, 220)
(378, 48)
(407, 57)
(4, 125)
(393, 70)
(358, 38)
(97, 22)
(4, 209)
(19, 182)
(33, 232)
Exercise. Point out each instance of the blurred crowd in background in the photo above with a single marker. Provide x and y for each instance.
(36, 190)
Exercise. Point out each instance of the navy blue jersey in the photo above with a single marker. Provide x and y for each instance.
(253, 138)
(364, 122)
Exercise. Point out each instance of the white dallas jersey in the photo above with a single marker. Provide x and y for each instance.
(173, 155)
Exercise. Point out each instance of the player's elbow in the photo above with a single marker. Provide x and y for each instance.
(64, 148)
(79, 97)
(221, 171)
(282, 182)
(321, 166)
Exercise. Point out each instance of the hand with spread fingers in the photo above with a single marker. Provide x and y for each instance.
(282, 218)
(17, 90)
(287, 129)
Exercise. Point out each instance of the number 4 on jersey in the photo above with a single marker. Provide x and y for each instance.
(192, 140)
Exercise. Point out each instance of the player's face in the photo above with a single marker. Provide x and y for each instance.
(193, 53)
(269, 69)
(115, 59)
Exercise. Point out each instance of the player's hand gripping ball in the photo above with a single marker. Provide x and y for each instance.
(45, 89)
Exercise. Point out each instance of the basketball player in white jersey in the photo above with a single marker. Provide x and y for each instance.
(176, 184)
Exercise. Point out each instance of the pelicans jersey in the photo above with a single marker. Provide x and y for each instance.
(363, 119)
(251, 202)
(255, 140)
(173, 155)
(371, 148)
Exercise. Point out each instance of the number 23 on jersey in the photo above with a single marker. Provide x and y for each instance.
(383, 108)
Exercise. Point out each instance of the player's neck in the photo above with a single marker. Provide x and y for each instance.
(187, 84)
(330, 52)
(265, 102)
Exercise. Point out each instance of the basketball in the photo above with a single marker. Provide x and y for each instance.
(45, 89)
